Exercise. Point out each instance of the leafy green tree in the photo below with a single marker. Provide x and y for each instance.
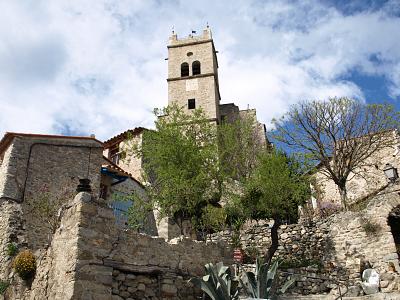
(240, 144)
(180, 160)
(213, 219)
(339, 134)
(274, 191)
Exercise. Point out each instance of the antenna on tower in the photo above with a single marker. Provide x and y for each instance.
(173, 29)
(208, 25)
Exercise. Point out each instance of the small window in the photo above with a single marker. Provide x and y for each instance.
(103, 191)
(191, 104)
(114, 154)
(196, 70)
(184, 69)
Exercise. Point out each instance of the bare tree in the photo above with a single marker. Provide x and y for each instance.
(340, 134)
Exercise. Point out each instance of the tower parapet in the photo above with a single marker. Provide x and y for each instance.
(206, 36)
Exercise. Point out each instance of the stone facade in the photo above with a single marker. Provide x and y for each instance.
(119, 150)
(202, 87)
(39, 168)
(367, 179)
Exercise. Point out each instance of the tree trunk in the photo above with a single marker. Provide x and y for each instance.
(274, 241)
(343, 195)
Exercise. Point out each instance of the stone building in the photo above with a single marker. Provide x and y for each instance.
(117, 146)
(365, 181)
(193, 80)
(192, 83)
(40, 168)
(119, 188)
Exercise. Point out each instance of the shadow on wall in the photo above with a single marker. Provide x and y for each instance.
(394, 223)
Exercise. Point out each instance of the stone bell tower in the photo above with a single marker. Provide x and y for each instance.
(193, 73)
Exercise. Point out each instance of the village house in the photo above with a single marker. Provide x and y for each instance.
(365, 181)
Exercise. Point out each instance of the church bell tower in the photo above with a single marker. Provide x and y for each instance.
(193, 73)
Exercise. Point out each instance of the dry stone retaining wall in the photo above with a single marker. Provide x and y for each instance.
(107, 255)
(90, 257)
(333, 248)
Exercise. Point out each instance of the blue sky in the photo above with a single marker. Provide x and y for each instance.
(97, 66)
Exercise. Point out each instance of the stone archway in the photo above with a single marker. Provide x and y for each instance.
(394, 223)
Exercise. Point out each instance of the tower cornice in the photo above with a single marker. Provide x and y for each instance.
(188, 42)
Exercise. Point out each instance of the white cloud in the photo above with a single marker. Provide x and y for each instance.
(98, 66)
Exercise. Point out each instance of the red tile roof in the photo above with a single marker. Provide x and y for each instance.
(123, 135)
(114, 167)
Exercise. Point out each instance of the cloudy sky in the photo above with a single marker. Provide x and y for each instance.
(97, 66)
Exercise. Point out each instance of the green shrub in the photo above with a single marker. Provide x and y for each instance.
(3, 286)
(12, 249)
(25, 264)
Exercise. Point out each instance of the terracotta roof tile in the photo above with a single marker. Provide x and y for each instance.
(110, 165)
(123, 135)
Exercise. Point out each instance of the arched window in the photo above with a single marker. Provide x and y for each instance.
(196, 70)
(184, 69)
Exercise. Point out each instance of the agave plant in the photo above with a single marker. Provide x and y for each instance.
(217, 284)
(260, 285)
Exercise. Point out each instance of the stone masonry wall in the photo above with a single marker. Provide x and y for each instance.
(333, 247)
(10, 232)
(30, 162)
(302, 247)
(36, 168)
(130, 163)
(364, 180)
(204, 87)
(107, 255)
(91, 258)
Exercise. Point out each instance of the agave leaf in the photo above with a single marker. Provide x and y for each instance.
(250, 284)
(217, 282)
(222, 270)
(206, 287)
(272, 270)
(287, 285)
(228, 283)
(209, 270)
(266, 278)
(222, 288)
